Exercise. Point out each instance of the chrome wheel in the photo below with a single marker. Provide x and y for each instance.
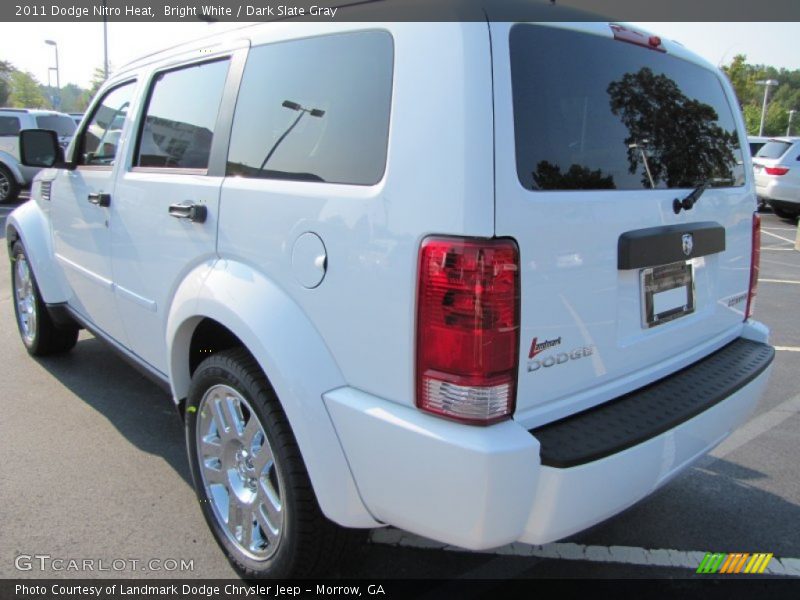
(26, 299)
(5, 185)
(240, 477)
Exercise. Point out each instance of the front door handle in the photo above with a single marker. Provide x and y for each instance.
(100, 199)
(196, 213)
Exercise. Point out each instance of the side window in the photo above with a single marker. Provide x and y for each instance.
(315, 110)
(180, 117)
(101, 135)
(9, 126)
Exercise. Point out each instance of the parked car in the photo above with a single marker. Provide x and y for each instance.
(13, 175)
(777, 174)
(504, 316)
(755, 143)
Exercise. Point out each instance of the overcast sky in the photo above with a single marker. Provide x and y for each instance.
(80, 45)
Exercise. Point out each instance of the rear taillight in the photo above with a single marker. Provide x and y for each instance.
(468, 328)
(776, 170)
(755, 263)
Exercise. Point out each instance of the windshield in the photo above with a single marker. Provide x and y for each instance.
(773, 149)
(595, 113)
(61, 124)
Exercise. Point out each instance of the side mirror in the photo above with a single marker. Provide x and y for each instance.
(39, 148)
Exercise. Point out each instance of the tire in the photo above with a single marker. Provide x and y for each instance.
(9, 188)
(39, 333)
(277, 529)
(784, 214)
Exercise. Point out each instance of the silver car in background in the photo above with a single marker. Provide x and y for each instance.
(13, 175)
(777, 175)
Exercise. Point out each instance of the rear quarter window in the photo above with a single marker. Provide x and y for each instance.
(9, 126)
(315, 110)
(595, 113)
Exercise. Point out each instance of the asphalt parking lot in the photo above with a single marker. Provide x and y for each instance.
(93, 467)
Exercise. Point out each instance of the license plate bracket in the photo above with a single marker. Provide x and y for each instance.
(667, 293)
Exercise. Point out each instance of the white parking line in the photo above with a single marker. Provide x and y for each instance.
(792, 281)
(776, 248)
(780, 237)
(780, 228)
(629, 555)
(788, 348)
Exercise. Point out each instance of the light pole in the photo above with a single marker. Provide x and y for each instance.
(105, 41)
(789, 126)
(767, 84)
(57, 95)
(314, 112)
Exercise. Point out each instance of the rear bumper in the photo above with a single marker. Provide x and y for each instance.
(484, 487)
(776, 189)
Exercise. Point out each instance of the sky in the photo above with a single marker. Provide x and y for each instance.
(80, 45)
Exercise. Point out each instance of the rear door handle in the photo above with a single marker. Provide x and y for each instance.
(196, 213)
(100, 199)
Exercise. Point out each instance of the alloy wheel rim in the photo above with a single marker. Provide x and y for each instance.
(5, 185)
(242, 482)
(27, 316)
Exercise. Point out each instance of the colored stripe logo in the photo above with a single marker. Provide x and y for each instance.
(736, 562)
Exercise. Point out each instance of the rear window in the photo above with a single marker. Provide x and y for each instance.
(595, 113)
(9, 126)
(773, 149)
(61, 124)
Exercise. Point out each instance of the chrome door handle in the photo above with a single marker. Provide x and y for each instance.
(100, 199)
(196, 213)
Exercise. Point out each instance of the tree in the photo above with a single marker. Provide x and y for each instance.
(6, 68)
(26, 92)
(98, 79)
(681, 136)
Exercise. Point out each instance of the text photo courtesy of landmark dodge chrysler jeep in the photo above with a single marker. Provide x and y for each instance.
(505, 316)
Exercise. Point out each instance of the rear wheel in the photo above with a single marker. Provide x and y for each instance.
(39, 333)
(9, 188)
(249, 476)
(784, 214)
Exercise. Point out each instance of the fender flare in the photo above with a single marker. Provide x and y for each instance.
(12, 164)
(294, 358)
(31, 225)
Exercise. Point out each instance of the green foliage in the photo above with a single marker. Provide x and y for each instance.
(21, 90)
(26, 92)
(743, 76)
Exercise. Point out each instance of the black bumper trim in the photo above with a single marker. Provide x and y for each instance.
(650, 411)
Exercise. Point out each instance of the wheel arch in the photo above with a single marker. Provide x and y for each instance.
(229, 302)
(9, 162)
(29, 225)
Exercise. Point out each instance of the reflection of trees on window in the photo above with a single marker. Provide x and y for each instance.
(548, 176)
(681, 138)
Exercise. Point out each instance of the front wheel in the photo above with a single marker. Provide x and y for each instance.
(9, 188)
(249, 475)
(39, 333)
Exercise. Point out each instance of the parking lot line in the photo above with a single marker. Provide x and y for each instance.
(777, 248)
(780, 228)
(780, 237)
(792, 281)
(788, 348)
(629, 555)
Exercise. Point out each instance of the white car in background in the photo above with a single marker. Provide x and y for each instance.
(13, 175)
(777, 173)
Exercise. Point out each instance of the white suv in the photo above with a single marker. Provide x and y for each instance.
(486, 282)
(13, 175)
(777, 175)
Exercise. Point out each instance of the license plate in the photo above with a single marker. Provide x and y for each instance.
(667, 293)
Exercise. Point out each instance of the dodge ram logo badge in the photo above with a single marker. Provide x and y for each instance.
(688, 243)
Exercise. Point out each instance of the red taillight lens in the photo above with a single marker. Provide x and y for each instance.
(776, 170)
(755, 264)
(468, 328)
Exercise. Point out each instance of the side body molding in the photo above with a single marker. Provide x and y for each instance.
(30, 224)
(294, 358)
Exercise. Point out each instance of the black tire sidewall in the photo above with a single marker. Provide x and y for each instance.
(213, 371)
(18, 250)
(13, 185)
